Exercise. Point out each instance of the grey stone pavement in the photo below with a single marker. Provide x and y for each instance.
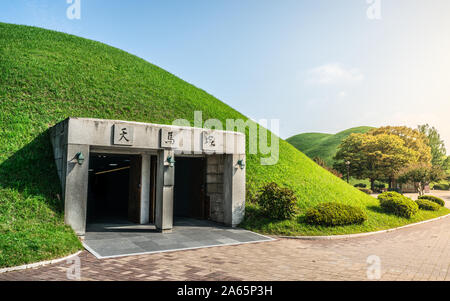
(420, 252)
(112, 240)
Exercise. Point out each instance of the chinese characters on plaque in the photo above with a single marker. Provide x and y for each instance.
(170, 138)
(123, 134)
(212, 141)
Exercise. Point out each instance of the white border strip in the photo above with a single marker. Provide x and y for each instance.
(347, 236)
(93, 252)
(38, 264)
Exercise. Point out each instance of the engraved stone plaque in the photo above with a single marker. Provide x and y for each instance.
(123, 134)
(170, 138)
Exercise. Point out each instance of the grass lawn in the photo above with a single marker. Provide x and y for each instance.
(48, 76)
(32, 230)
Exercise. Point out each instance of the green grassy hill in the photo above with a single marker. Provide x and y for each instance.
(323, 145)
(47, 76)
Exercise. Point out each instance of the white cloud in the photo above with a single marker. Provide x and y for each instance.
(334, 73)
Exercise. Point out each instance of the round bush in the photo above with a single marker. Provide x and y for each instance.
(398, 204)
(366, 190)
(360, 185)
(428, 205)
(334, 214)
(277, 202)
(433, 199)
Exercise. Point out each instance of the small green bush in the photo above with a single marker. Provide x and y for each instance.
(378, 186)
(441, 186)
(428, 205)
(366, 190)
(277, 202)
(433, 199)
(398, 204)
(334, 214)
(360, 185)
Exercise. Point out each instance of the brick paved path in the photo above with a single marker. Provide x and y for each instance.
(417, 253)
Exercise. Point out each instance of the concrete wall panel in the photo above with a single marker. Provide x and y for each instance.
(76, 188)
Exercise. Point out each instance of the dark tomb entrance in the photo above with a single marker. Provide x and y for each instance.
(189, 192)
(114, 189)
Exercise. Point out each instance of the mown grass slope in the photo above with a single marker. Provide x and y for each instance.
(47, 76)
(323, 145)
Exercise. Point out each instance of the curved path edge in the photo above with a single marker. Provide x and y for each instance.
(348, 236)
(38, 264)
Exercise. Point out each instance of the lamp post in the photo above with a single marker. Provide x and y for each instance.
(348, 171)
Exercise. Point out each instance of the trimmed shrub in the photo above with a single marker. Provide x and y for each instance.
(378, 186)
(433, 199)
(441, 186)
(366, 190)
(277, 202)
(427, 205)
(398, 204)
(360, 185)
(334, 214)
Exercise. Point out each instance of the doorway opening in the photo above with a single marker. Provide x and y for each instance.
(189, 191)
(114, 188)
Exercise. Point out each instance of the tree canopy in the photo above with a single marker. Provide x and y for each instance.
(377, 156)
(382, 153)
(413, 139)
(434, 141)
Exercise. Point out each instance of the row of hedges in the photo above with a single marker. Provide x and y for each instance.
(378, 186)
(441, 186)
(403, 206)
(280, 203)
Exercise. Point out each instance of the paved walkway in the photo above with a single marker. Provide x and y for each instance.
(107, 240)
(416, 253)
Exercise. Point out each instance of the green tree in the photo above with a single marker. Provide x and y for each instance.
(446, 165)
(421, 175)
(413, 139)
(434, 141)
(376, 157)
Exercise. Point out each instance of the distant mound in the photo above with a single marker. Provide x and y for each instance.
(48, 76)
(323, 145)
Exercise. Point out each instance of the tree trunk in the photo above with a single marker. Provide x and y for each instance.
(372, 184)
(421, 189)
(417, 188)
(391, 183)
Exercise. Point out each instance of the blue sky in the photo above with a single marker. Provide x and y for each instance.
(318, 65)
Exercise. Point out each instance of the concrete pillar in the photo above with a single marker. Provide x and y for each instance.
(145, 190)
(234, 190)
(165, 182)
(214, 186)
(76, 188)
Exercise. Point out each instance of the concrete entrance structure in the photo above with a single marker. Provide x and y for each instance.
(75, 140)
